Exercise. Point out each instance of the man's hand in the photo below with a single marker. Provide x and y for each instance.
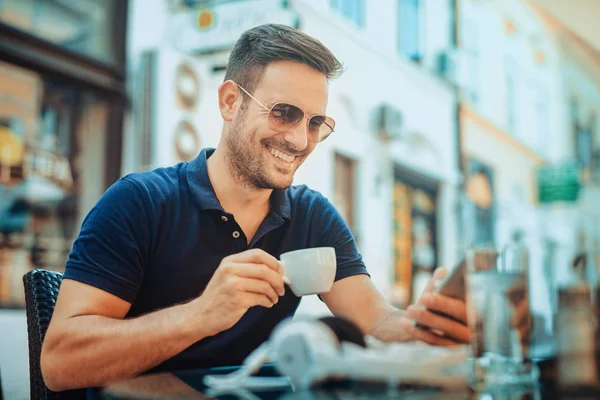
(241, 281)
(519, 299)
(444, 330)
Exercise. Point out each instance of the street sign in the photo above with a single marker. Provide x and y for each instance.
(217, 27)
(558, 183)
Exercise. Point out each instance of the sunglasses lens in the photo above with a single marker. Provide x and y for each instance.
(285, 117)
(319, 127)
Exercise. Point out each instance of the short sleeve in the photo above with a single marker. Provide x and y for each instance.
(111, 249)
(334, 232)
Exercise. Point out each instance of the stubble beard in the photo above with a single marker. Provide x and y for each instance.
(246, 161)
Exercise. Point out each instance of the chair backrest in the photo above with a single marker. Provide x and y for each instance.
(41, 291)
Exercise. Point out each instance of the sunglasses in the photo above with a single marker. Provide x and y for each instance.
(283, 117)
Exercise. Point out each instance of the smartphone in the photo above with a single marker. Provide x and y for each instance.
(453, 285)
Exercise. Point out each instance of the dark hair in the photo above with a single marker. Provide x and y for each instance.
(259, 46)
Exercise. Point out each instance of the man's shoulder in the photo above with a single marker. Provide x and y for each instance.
(150, 190)
(157, 183)
(303, 198)
(302, 193)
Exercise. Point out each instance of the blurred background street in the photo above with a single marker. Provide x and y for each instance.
(459, 123)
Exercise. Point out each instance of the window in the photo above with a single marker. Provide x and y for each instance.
(350, 9)
(84, 26)
(409, 29)
(471, 47)
(454, 39)
(479, 217)
(511, 95)
(542, 122)
(595, 148)
(582, 137)
(414, 235)
(52, 171)
(344, 192)
(584, 147)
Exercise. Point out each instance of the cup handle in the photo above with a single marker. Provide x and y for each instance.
(282, 273)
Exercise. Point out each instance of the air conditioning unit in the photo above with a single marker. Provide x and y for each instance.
(388, 122)
(450, 65)
(446, 65)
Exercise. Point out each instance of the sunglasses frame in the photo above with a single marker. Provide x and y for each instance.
(307, 116)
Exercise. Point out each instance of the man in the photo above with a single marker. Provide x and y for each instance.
(177, 268)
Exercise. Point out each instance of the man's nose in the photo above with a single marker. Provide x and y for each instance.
(298, 137)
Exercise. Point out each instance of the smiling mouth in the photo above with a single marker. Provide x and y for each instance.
(281, 155)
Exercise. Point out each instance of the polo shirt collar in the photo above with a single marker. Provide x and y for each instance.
(204, 193)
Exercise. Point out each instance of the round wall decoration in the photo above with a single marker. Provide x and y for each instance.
(187, 141)
(187, 86)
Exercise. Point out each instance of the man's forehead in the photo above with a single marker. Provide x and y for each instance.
(302, 87)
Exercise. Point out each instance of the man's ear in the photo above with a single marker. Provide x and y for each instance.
(229, 96)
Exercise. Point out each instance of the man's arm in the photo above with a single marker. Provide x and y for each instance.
(354, 296)
(357, 298)
(89, 344)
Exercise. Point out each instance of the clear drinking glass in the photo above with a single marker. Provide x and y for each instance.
(499, 316)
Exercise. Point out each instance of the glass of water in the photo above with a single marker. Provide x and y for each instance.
(499, 316)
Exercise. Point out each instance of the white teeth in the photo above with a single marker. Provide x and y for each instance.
(280, 155)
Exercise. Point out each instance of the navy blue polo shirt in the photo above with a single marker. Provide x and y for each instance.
(154, 239)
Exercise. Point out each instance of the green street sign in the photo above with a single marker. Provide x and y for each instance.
(558, 183)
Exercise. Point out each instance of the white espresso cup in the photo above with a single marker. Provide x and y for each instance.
(309, 271)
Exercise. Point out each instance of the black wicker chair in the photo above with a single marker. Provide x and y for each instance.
(41, 291)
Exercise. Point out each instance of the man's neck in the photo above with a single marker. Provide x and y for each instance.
(234, 195)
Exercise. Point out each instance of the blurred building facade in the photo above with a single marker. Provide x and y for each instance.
(577, 224)
(62, 104)
(528, 109)
(506, 122)
(391, 167)
(425, 102)
(62, 91)
(447, 113)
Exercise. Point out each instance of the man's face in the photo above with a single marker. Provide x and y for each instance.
(260, 157)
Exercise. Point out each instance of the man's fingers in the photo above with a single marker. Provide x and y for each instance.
(522, 320)
(449, 327)
(259, 287)
(438, 275)
(261, 272)
(455, 308)
(522, 314)
(254, 299)
(256, 256)
(425, 336)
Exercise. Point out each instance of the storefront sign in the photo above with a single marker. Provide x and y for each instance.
(218, 27)
(20, 162)
(49, 166)
(558, 183)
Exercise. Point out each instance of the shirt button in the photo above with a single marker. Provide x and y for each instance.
(224, 218)
(235, 234)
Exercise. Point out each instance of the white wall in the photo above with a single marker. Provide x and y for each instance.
(535, 82)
